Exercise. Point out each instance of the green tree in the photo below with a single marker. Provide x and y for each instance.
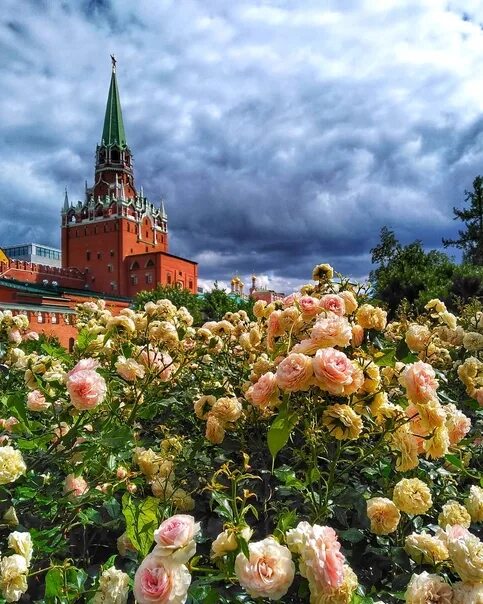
(410, 273)
(471, 238)
(178, 296)
(217, 302)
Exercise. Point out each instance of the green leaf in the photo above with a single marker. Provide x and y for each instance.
(387, 359)
(352, 535)
(454, 460)
(141, 521)
(54, 583)
(243, 546)
(280, 430)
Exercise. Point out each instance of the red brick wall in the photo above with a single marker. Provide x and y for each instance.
(36, 273)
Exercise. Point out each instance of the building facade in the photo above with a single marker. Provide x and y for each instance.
(34, 252)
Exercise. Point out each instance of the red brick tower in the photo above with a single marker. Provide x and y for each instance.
(116, 235)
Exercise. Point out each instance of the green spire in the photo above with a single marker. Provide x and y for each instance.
(113, 131)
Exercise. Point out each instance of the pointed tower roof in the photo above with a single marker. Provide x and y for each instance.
(113, 131)
(66, 201)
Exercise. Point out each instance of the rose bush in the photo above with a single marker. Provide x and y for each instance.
(314, 454)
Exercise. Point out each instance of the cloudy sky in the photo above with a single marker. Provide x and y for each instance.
(281, 133)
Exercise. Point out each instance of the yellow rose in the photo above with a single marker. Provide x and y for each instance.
(412, 496)
(227, 409)
(322, 272)
(417, 337)
(12, 465)
(21, 543)
(383, 515)
(404, 443)
(13, 577)
(466, 553)
(454, 513)
(342, 422)
(425, 549)
(336, 595)
(474, 503)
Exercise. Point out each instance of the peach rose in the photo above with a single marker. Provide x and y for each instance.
(457, 424)
(129, 369)
(159, 362)
(428, 588)
(31, 336)
(417, 337)
(158, 581)
(322, 562)
(264, 393)
(86, 388)
(294, 372)
(175, 538)
(331, 330)
(75, 486)
(84, 364)
(275, 327)
(420, 382)
(309, 305)
(333, 303)
(268, 572)
(383, 515)
(36, 401)
(357, 335)
(290, 300)
(14, 336)
(335, 373)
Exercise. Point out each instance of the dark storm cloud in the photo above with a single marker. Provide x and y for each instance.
(279, 134)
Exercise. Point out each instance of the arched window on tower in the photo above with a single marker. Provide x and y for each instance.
(134, 266)
(115, 155)
(150, 263)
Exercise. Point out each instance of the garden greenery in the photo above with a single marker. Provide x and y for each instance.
(315, 454)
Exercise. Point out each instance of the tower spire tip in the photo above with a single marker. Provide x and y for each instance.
(114, 61)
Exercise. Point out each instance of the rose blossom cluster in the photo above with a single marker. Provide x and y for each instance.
(163, 577)
(220, 415)
(331, 580)
(457, 546)
(14, 568)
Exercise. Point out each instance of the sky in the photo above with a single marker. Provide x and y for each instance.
(280, 133)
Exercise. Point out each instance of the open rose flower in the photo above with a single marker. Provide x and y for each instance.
(331, 330)
(294, 372)
(268, 572)
(175, 538)
(264, 393)
(309, 306)
(335, 372)
(333, 303)
(420, 382)
(36, 401)
(158, 581)
(86, 388)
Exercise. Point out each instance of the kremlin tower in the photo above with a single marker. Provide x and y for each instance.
(115, 236)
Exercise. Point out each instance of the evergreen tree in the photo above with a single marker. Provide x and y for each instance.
(471, 238)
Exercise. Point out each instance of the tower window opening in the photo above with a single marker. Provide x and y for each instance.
(169, 279)
(115, 156)
(99, 255)
(112, 253)
(109, 268)
(88, 255)
(148, 278)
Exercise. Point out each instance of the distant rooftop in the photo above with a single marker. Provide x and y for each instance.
(34, 252)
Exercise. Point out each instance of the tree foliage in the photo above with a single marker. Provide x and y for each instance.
(410, 273)
(470, 239)
(212, 306)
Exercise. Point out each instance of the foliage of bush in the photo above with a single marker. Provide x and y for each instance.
(316, 453)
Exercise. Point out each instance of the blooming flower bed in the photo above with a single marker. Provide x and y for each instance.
(314, 454)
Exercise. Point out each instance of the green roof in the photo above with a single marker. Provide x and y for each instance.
(113, 131)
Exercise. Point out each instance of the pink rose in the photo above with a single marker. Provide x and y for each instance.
(158, 581)
(175, 538)
(274, 327)
(309, 305)
(8, 424)
(158, 361)
(334, 303)
(75, 486)
(357, 335)
(294, 372)
(419, 381)
(14, 336)
(321, 560)
(36, 401)
(331, 330)
(290, 300)
(84, 364)
(264, 392)
(31, 335)
(86, 388)
(269, 570)
(457, 424)
(335, 372)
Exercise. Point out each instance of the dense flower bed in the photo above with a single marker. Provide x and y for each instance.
(314, 454)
